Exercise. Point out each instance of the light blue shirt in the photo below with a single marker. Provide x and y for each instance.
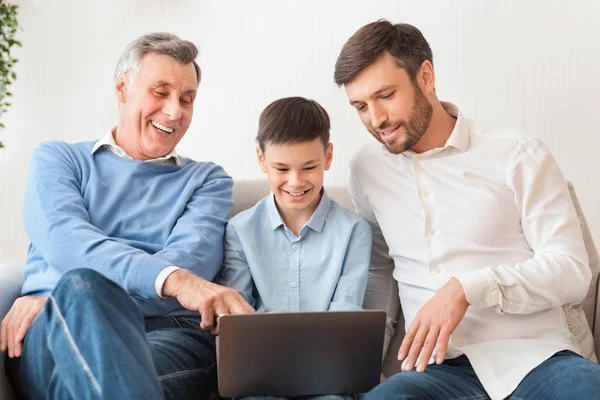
(324, 268)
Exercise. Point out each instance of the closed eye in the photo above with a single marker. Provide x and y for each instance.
(309, 168)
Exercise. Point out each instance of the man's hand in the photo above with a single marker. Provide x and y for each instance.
(207, 298)
(16, 323)
(434, 323)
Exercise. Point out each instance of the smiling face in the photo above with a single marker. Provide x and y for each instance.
(295, 173)
(155, 107)
(390, 105)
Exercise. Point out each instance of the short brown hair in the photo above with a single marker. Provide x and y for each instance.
(293, 120)
(403, 41)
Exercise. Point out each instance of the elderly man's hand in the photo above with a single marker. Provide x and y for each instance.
(433, 324)
(207, 298)
(17, 322)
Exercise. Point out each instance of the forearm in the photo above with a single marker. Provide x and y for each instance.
(545, 281)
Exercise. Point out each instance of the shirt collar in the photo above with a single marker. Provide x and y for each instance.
(459, 137)
(108, 141)
(316, 221)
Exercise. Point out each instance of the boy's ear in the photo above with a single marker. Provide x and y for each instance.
(328, 156)
(261, 159)
(121, 87)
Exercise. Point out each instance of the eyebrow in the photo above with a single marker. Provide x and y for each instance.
(161, 83)
(280, 164)
(377, 92)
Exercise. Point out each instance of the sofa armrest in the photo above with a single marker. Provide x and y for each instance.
(596, 331)
(11, 280)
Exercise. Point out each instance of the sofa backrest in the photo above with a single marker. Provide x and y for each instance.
(246, 193)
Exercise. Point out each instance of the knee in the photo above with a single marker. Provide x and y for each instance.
(586, 373)
(81, 281)
(394, 388)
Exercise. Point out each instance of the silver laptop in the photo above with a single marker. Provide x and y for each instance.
(294, 354)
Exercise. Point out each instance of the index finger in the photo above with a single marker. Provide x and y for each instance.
(237, 304)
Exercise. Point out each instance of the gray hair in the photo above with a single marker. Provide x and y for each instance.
(182, 51)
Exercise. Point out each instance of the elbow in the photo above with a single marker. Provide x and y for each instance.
(580, 281)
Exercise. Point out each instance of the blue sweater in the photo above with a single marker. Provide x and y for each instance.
(124, 218)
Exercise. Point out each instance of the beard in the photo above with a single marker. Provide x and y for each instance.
(414, 127)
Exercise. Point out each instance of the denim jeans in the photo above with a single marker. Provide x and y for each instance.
(323, 397)
(91, 342)
(565, 375)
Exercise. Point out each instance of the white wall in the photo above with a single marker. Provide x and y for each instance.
(532, 65)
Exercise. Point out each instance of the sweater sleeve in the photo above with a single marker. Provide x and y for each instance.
(196, 241)
(58, 224)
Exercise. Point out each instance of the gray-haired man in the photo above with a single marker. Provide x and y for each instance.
(126, 236)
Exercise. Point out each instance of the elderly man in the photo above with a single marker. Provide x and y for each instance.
(477, 226)
(126, 236)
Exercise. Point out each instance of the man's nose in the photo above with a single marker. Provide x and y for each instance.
(172, 109)
(378, 117)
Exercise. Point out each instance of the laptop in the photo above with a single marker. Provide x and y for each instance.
(295, 354)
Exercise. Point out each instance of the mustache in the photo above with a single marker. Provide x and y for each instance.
(387, 124)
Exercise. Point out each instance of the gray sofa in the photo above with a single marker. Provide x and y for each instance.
(246, 194)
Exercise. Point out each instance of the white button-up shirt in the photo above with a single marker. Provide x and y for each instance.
(492, 209)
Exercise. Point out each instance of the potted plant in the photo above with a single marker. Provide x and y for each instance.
(8, 29)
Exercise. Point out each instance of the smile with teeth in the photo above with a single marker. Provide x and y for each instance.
(162, 128)
(388, 132)
(296, 194)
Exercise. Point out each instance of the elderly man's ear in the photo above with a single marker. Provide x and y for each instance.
(121, 88)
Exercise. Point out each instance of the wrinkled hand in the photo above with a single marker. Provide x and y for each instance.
(17, 322)
(207, 298)
(433, 324)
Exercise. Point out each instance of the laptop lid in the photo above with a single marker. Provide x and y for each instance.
(294, 354)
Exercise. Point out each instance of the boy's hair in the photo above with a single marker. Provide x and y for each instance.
(403, 41)
(293, 120)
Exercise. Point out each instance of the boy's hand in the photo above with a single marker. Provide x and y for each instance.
(207, 298)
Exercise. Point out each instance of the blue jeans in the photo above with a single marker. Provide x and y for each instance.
(565, 375)
(323, 397)
(91, 342)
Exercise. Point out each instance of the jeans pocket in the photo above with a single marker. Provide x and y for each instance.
(183, 322)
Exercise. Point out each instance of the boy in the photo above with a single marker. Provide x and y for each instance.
(297, 249)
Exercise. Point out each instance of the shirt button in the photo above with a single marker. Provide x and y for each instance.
(430, 232)
(294, 284)
(437, 270)
(295, 246)
(425, 193)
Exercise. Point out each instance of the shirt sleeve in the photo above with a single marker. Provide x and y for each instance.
(350, 289)
(558, 273)
(236, 272)
(162, 277)
(58, 225)
(382, 289)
